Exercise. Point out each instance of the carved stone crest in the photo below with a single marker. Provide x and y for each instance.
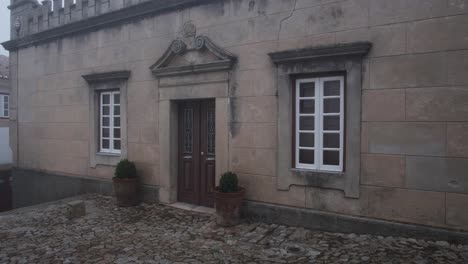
(189, 30)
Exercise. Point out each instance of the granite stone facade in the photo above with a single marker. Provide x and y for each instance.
(410, 143)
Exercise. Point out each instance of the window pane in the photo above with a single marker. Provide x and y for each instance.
(116, 121)
(105, 132)
(105, 144)
(105, 110)
(331, 140)
(331, 123)
(307, 106)
(116, 98)
(307, 89)
(105, 121)
(117, 133)
(331, 105)
(105, 99)
(306, 140)
(306, 156)
(5, 99)
(331, 158)
(306, 123)
(331, 88)
(117, 144)
(116, 110)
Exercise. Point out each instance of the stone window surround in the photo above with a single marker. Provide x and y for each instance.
(347, 59)
(99, 82)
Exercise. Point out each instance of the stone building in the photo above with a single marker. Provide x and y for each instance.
(5, 151)
(334, 114)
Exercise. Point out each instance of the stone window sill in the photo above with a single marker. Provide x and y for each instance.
(307, 172)
(108, 154)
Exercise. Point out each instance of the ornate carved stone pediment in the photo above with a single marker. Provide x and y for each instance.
(192, 55)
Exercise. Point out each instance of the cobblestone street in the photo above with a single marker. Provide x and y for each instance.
(161, 234)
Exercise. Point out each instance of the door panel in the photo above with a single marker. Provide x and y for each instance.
(196, 179)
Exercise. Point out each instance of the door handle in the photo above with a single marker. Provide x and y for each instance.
(202, 153)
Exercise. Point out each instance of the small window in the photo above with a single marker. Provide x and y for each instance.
(4, 106)
(319, 124)
(109, 118)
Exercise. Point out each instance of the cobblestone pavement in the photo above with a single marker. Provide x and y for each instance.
(161, 234)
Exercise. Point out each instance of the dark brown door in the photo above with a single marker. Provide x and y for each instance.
(196, 152)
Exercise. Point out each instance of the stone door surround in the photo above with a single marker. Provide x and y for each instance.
(192, 67)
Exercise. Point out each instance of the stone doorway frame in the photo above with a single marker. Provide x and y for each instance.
(191, 68)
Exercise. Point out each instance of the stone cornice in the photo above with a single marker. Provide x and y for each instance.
(106, 76)
(353, 49)
(105, 20)
(22, 2)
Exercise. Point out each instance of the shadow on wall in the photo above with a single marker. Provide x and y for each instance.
(6, 155)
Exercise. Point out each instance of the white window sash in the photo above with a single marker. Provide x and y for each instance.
(111, 126)
(319, 118)
(4, 106)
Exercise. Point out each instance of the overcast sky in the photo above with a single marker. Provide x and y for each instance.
(4, 24)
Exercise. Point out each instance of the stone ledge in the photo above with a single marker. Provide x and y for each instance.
(332, 222)
(353, 49)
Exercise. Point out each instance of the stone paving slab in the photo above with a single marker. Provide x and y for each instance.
(163, 234)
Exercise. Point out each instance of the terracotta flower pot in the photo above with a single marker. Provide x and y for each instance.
(228, 207)
(126, 191)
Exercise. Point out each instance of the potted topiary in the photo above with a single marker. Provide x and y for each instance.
(228, 200)
(126, 184)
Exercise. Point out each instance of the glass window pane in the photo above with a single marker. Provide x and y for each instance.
(306, 156)
(116, 121)
(105, 121)
(105, 110)
(117, 133)
(307, 106)
(331, 123)
(105, 144)
(5, 99)
(116, 110)
(307, 89)
(307, 140)
(306, 123)
(331, 158)
(105, 99)
(116, 98)
(331, 140)
(117, 144)
(105, 132)
(331, 88)
(331, 105)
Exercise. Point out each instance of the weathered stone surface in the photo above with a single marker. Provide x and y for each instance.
(258, 135)
(254, 161)
(383, 105)
(457, 62)
(335, 201)
(457, 139)
(254, 109)
(414, 70)
(437, 174)
(446, 33)
(437, 104)
(457, 209)
(420, 138)
(406, 205)
(383, 170)
(388, 40)
(162, 234)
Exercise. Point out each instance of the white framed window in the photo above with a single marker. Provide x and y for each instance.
(109, 122)
(319, 123)
(4, 106)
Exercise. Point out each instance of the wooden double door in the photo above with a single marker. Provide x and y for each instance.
(196, 137)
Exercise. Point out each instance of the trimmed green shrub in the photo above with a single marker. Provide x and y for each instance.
(125, 169)
(228, 183)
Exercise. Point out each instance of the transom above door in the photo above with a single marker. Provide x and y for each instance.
(196, 137)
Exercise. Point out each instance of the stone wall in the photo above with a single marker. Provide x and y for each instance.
(414, 113)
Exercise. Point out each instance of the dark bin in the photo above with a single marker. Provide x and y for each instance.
(5, 188)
